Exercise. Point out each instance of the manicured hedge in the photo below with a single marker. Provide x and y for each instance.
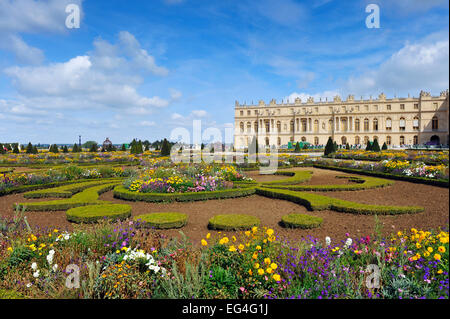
(233, 222)
(297, 177)
(94, 213)
(88, 196)
(413, 179)
(302, 221)
(162, 220)
(123, 193)
(320, 202)
(360, 183)
(67, 191)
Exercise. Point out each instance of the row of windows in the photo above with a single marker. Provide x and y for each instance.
(345, 126)
(366, 108)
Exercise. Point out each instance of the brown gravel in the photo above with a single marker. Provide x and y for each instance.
(435, 200)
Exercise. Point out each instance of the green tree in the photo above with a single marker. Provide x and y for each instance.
(369, 146)
(297, 147)
(89, 144)
(384, 147)
(329, 148)
(123, 149)
(93, 148)
(35, 150)
(375, 146)
(165, 148)
(54, 149)
(29, 148)
(75, 148)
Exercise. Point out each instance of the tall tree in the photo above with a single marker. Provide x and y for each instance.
(165, 148)
(329, 148)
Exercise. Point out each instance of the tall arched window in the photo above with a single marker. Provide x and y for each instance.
(415, 140)
(357, 141)
(343, 140)
(434, 123)
(292, 126)
(330, 125)
(249, 127)
(242, 127)
(255, 127)
(357, 127)
(388, 124)
(316, 126)
(388, 140)
(366, 124)
(415, 123)
(402, 124)
(375, 124)
(402, 140)
(304, 125)
(278, 127)
(344, 124)
(316, 140)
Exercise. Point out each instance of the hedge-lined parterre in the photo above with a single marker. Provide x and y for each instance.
(94, 213)
(233, 222)
(359, 183)
(162, 220)
(123, 193)
(320, 202)
(88, 196)
(302, 221)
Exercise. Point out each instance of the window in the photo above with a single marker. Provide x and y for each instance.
(388, 140)
(279, 141)
(316, 126)
(255, 127)
(330, 125)
(416, 106)
(366, 124)
(388, 107)
(357, 126)
(366, 108)
(249, 127)
(402, 140)
(375, 107)
(402, 106)
(316, 140)
(242, 113)
(415, 140)
(416, 123)
(357, 108)
(388, 124)
(375, 124)
(357, 141)
(242, 127)
(344, 125)
(366, 140)
(278, 127)
(292, 126)
(256, 112)
(249, 113)
(402, 124)
(303, 125)
(434, 123)
(343, 140)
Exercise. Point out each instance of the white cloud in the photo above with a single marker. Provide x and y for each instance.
(416, 66)
(104, 78)
(22, 51)
(317, 96)
(147, 123)
(176, 116)
(199, 113)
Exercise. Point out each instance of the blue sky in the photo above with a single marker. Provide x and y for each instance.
(142, 68)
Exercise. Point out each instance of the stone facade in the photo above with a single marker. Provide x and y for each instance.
(396, 121)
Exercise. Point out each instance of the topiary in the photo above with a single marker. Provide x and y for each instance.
(162, 220)
(329, 148)
(369, 146)
(297, 148)
(94, 213)
(375, 146)
(16, 148)
(75, 148)
(233, 222)
(29, 149)
(384, 147)
(165, 149)
(302, 221)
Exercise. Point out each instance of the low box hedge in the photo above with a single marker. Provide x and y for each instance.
(123, 193)
(162, 220)
(67, 191)
(233, 222)
(297, 177)
(360, 183)
(320, 202)
(88, 196)
(413, 179)
(302, 221)
(94, 213)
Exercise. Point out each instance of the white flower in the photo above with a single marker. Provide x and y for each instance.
(348, 242)
(29, 285)
(50, 256)
(327, 241)
(55, 267)
(34, 266)
(36, 274)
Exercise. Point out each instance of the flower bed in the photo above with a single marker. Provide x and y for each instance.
(122, 261)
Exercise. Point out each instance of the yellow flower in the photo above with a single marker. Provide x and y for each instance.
(441, 249)
(269, 232)
(241, 247)
(258, 247)
(208, 235)
(204, 242)
(267, 260)
(256, 265)
(254, 229)
(255, 255)
(260, 271)
(437, 256)
(273, 266)
(276, 277)
(430, 249)
(440, 271)
(247, 233)
(10, 249)
(269, 270)
(232, 248)
(250, 272)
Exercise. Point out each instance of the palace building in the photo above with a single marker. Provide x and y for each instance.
(396, 121)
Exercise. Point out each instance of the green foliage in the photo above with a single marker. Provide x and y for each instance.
(94, 213)
(369, 146)
(329, 148)
(384, 147)
(93, 148)
(123, 149)
(75, 148)
(123, 193)
(162, 220)
(375, 146)
(16, 148)
(297, 148)
(20, 255)
(89, 144)
(301, 221)
(10, 294)
(165, 149)
(320, 202)
(65, 149)
(297, 177)
(29, 149)
(2, 149)
(233, 222)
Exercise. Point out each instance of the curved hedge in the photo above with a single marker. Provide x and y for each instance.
(302, 221)
(88, 196)
(360, 183)
(233, 222)
(93, 213)
(123, 193)
(320, 202)
(162, 220)
(297, 177)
